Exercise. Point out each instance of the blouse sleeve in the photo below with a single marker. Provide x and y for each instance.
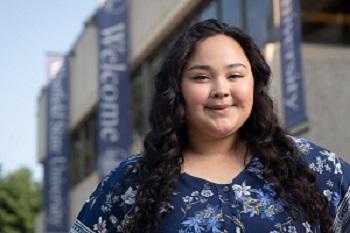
(108, 205)
(332, 180)
(342, 215)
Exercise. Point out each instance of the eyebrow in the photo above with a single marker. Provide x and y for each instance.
(207, 67)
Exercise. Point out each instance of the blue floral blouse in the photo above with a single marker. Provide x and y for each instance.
(248, 204)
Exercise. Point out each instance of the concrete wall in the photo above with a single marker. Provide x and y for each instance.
(327, 93)
(272, 56)
(41, 125)
(327, 85)
(83, 75)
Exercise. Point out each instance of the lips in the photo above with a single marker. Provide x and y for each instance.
(219, 107)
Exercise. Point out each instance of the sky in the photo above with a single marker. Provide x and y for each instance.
(30, 29)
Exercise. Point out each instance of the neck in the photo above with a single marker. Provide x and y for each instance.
(229, 155)
(215, 147)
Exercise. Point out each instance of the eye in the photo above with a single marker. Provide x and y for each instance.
(235, 75)
(200, 77)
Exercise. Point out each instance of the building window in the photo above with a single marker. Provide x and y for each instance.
(326, 21)
(83, 150)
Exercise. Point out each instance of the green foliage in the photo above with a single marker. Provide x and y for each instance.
(20, 201)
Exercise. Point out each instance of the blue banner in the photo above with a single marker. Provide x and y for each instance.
(292, 77)
(56, 166)
(113, 114)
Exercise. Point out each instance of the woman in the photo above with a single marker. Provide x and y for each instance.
(216, 158)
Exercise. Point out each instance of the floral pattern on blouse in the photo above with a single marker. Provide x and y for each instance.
(207, 220)
(260, 202)
(247, 204)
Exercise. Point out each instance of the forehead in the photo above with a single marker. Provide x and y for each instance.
(218, 49)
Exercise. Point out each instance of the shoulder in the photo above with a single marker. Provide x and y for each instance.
(321, 160)
(109, 203)
(332, 174)
(116, 176)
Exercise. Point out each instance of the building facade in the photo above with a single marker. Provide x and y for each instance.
(153, 26)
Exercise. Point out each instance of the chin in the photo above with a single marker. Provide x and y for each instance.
(223, 133)
(226, 128)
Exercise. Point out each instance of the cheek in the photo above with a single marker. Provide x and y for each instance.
(194, 97)
(244, 93)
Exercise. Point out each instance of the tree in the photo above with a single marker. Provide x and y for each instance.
(20, 201)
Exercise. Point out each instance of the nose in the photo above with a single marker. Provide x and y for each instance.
(220, 89)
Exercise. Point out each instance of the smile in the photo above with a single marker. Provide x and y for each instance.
(219, 109)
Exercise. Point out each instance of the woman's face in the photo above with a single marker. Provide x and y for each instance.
(217, 85)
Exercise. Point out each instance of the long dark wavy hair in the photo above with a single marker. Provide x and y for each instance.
(159, 168)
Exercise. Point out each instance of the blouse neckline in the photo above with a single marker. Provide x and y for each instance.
(197, 179)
